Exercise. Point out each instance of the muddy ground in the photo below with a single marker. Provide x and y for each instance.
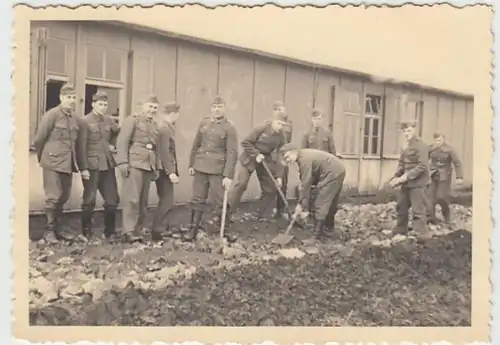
(367, 278)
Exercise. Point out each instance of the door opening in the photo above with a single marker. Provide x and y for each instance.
(113, 98)
(53, 88)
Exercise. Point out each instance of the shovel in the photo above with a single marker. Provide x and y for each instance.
(223, 222)
(282, 196)
(285, 238)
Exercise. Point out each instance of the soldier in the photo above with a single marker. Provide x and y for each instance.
(412, 175)
(212, 161)
(258, 147)
(96, 135)
(318, 138)
(317, 167)
(442, 155)
(137, 159)
(169, 172)
(280, 109)
(55, 145)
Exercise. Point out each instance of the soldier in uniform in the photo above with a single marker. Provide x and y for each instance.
(96, 136)
(279, 109)
(258, 147)
(323, 169)
(212, 161)
(442, 155)
(55, 145)
(137, 159)
(412, 175)
(317, 138)
(168, 173)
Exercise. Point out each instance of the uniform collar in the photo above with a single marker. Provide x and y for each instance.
(217, 120)
(66, 112)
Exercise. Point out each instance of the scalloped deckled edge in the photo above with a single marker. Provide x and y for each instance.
(235, 343)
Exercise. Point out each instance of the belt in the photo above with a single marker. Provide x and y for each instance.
(148, 146)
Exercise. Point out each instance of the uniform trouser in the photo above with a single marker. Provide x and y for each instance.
(202, 184)
(57, 188)
(439, 194)
(327, 199)
(135, 194)
(165, 190)
(105, 183)
(242, 176)
(415, 198)
(280, 205)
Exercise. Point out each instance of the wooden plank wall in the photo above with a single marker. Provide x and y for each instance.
(193, 74)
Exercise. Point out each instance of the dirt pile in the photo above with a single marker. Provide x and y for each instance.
(411, 283)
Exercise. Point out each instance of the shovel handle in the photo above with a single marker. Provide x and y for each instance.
(290, 226)
(280, 192)
(224, 212)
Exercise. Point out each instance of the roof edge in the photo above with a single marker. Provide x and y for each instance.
(206, 42)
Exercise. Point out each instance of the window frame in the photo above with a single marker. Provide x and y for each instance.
(95, 80)
(371, 116)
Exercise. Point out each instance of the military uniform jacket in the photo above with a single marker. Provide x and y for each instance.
(166, 148)
(95, 134)
(316, 166)
(215, 147)
(414, 162)
(263, 140)
(320, 139)
(137, 143)
(55, 141)
(441, 159)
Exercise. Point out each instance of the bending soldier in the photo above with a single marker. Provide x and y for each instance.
(279, 108)
(327, 172)
(412, 175)
(137, 159)
(168, 172)
(318, 138)
(212, 161)
(442, 155)
(258, 146)
(95, 157)
(55, 145)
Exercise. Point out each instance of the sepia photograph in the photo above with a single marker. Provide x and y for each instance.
(177, 177)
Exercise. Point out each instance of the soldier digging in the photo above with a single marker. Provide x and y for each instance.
(317, 138)
(55, 145)
(280, 109)
(412, 175)
(442, 155)
(258, 146)
(212, 161)
(96, 136)
(137, 159)
(323, 169)
(168, 171)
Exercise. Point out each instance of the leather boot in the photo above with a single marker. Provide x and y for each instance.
(196, 216)
(57, 229)
(319, 228)
(230, 237)
(86, 223)
(109, 222)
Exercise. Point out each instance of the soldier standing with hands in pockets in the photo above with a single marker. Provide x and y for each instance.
(137, 159)
(213, 157)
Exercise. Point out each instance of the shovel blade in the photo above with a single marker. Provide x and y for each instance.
(282, 239)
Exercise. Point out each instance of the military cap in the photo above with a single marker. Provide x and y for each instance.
(218, 100)
(151, 99)
(100, 96)
(316, 112)
(408, 123)
(171, 107)
(67, 89)
(278, 104)
(288, 147)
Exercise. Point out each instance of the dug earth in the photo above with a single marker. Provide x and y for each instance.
(368, 278)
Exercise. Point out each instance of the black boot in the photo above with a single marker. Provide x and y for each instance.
(57, 228)
(109, 223)
(196, 216)
(230, 237)
(86, 223)
(319, 228)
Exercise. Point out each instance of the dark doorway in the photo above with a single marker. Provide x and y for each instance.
(113, 98)
(52, 94)
(90, 90)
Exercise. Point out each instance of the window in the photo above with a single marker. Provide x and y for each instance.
(372, 125)
(416, 111)
(104, 64)
(56, 59)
